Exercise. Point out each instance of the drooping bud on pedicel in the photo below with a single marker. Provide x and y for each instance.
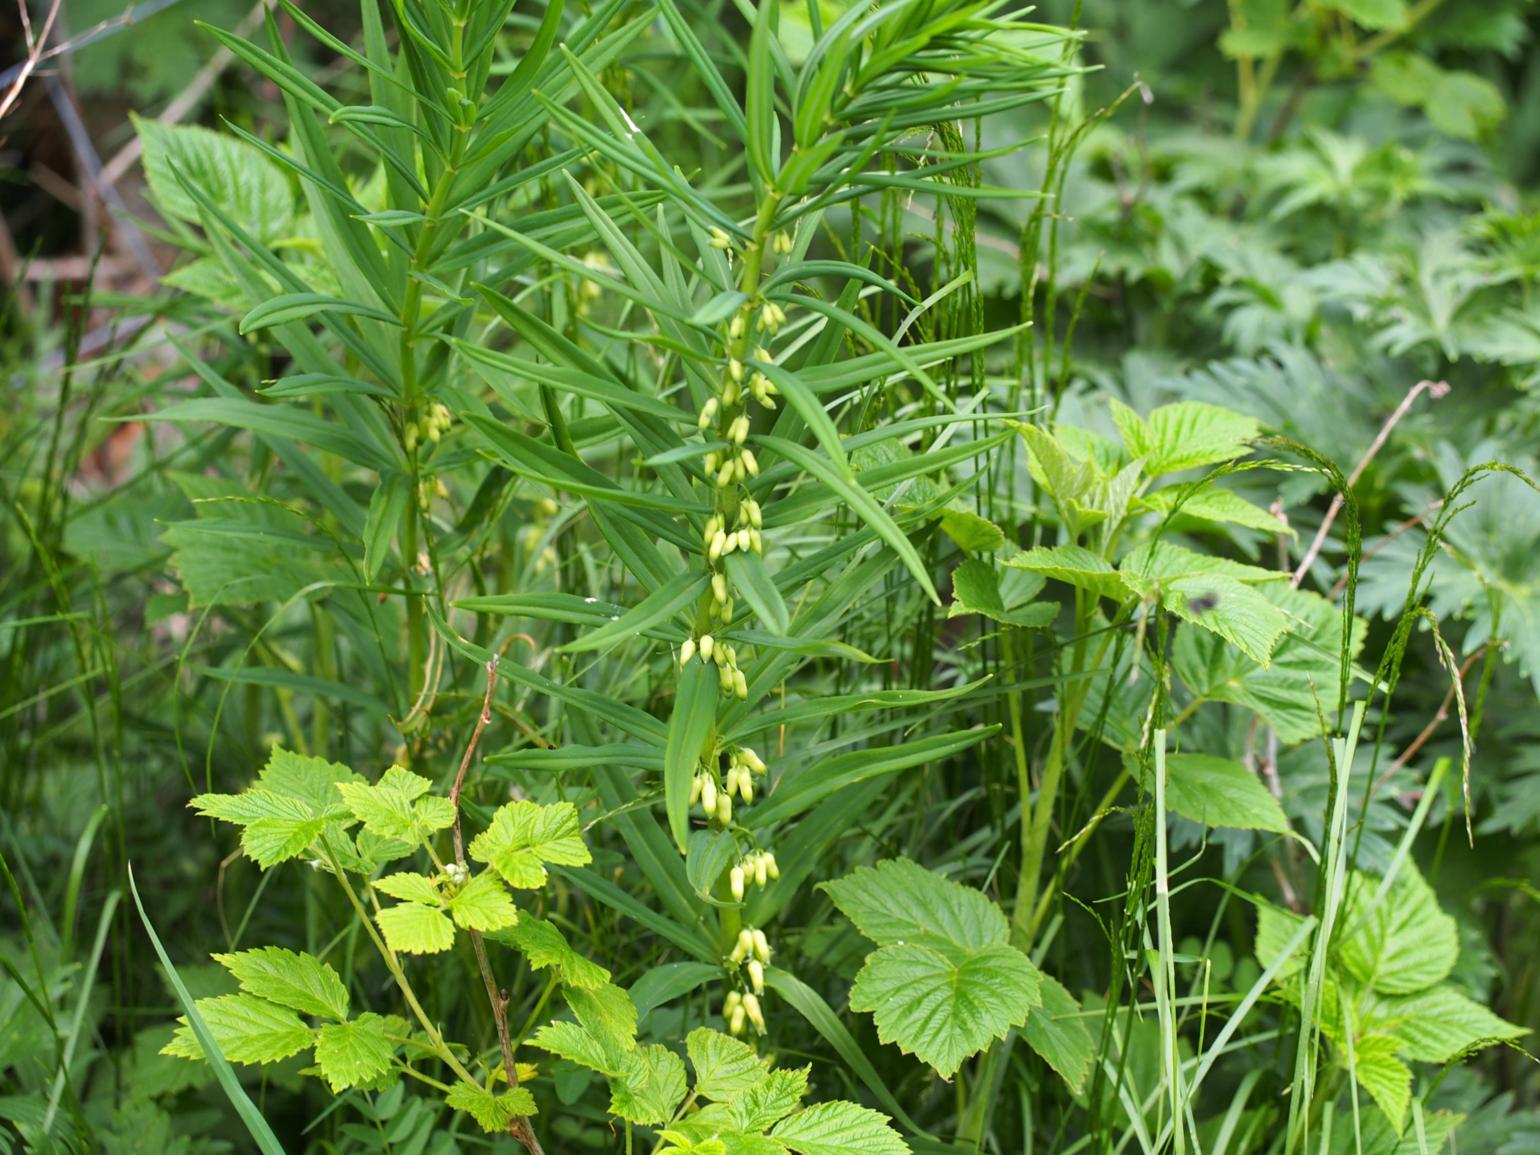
(761, 945)
(697, 784)
(708, 413)
(755, 1015)
(735, 884)
(686, 651)
(756, 971)
(725, 808)
(708, 644)
(708, 795)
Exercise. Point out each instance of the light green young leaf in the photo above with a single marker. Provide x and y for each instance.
(482, 904)
(410, 887)
(1438, 1025)
(523, 836)
(650, 1086)
(290, 979)
(839, 1128)
(761, 1106)
(1400, 943)
(976, 590)
(247, 1030)
(270, 841)
(353, 1053)
(1077, 566)
(492, 1112)
(1185, 435)
(972, 533)
(413, 928)
(1371, 14)
(1275, 928)
(607, 1013)
(230, 172)
(573, 1042)
(1387, 1079)
(724, 1067)
(545, 946)
(1212, 504)
(1065, 476)
(1221, 792)
(399, 806)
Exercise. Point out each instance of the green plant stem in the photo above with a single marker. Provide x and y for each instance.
(393, 964)
(1037, 820)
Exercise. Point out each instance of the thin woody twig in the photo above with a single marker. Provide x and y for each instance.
(1435, 389)
(520, 1127)
(35, 53)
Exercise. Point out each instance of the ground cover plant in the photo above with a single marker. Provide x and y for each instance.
(728, 578)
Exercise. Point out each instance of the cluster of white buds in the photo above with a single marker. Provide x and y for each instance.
(759, 868)
(752, 953)
(742, 765)
(720, 239)
(715, 803)
(456, 875)
(742, 532)
(429, 427)
(737, 1008)
(724, 654)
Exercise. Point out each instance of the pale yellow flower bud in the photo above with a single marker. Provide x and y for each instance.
(757, 976)
(686, 651)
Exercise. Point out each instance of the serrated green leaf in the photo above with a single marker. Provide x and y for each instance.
(976, 590)
(1221, 792)
(573, 1042)
(353, 1053)
(1077, 566)
(1058, 1033)
(1185, 435)
(607, 1013)
(523, 836)
(1212, 504)
(1398, 943)
(247, 1030)
(290, 979)
(1438, 1025)
(545, 946)
(972, 533)
(1387, 1079)
(409, 886)
(492, 1112)
(943, 1007)
(771, 1099)
(413, 928)
(650, 1086)
(839, 1128)
(724, 1067)
(483, 904)
(231, 173)
(1373, 14)
(270, 841)
(900, 902)
(399, 806)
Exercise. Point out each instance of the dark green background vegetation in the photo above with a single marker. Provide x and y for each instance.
(1321, 215)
